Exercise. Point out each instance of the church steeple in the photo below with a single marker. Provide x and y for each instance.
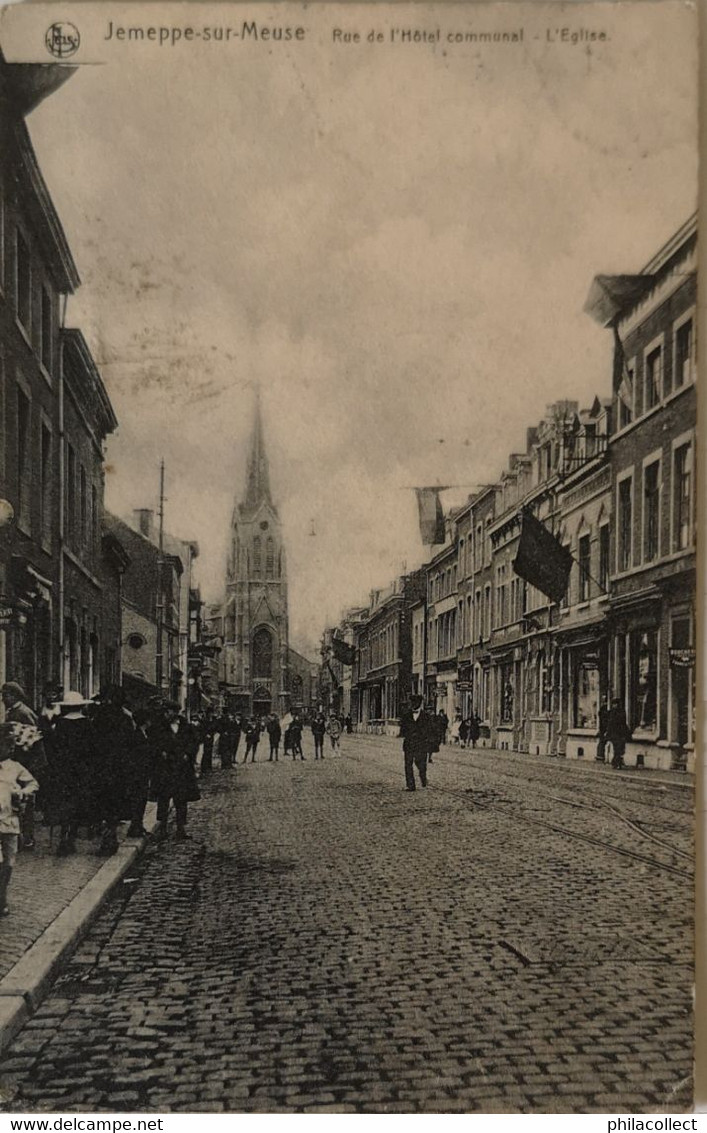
(258, 471)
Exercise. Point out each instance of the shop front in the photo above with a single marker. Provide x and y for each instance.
(585, 687)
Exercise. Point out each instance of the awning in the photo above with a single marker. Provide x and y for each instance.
(611, 295)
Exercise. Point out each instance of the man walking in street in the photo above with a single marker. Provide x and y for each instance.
(416, 732)
(319, 731)
(617, 733)
(175, 746)
(274, 735)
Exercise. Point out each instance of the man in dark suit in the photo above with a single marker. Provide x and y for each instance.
(175, 745)
(416, 732)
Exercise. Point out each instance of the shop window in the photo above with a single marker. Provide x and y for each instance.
(682, 496)
(644, 682)
(585, 692)
(651, 511)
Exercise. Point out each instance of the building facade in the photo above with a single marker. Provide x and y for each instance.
(382, 670)
(150, 601)
(653, 534)
(59, 580)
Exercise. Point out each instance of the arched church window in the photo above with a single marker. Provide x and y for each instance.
(257, 560)
(262, 653)
(269, 558)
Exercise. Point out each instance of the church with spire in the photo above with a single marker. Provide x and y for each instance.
(255, 653)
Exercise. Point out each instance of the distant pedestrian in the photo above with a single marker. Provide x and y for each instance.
(417, 731)
(456, 729)
(333, 728)
(617, 732)
(349, 725)
(17, 788)
(603, 729)
(464, 732)
(229, 736)
(442, 724)
(474, 729)
(293, 738)
(252, 738)
(318, 732)
(207, 735)
(274, 735)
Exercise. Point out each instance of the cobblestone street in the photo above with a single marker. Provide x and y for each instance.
(516, 938)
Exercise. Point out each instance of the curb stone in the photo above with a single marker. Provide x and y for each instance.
(29, 981)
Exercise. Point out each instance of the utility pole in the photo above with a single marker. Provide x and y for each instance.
(160, 588)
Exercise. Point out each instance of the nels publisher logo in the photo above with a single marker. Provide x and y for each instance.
(62, 40)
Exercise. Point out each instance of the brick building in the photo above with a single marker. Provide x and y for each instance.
(652, 462)
(382, 671)
(140, 643)
(59, 580)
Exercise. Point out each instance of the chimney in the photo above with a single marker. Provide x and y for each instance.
(144, 518)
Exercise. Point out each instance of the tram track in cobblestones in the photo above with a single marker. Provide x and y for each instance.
(590, 839)
(578, 777)
(598, 804)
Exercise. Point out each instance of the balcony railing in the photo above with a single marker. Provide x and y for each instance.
(589, 451)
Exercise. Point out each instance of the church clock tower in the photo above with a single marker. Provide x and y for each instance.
(255, 650)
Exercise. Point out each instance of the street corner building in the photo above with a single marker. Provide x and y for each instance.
(59, 571)
(570, 581)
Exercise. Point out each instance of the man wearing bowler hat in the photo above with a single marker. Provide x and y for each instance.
(416, 732)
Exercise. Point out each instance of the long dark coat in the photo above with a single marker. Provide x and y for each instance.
(174, 760)
(114, 729)
(74, 780)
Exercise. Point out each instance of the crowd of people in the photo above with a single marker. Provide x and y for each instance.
(221, 734)
(90, 765)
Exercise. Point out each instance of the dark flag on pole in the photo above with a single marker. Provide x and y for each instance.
(623, 382)
(342, 651)
(429, 508)
(541, 560)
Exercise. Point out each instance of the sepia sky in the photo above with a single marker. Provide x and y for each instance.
(395, 242)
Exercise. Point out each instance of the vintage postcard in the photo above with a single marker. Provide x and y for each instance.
(348, 388)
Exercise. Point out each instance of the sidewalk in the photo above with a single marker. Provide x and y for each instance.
(559, 764)
(52, 903)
